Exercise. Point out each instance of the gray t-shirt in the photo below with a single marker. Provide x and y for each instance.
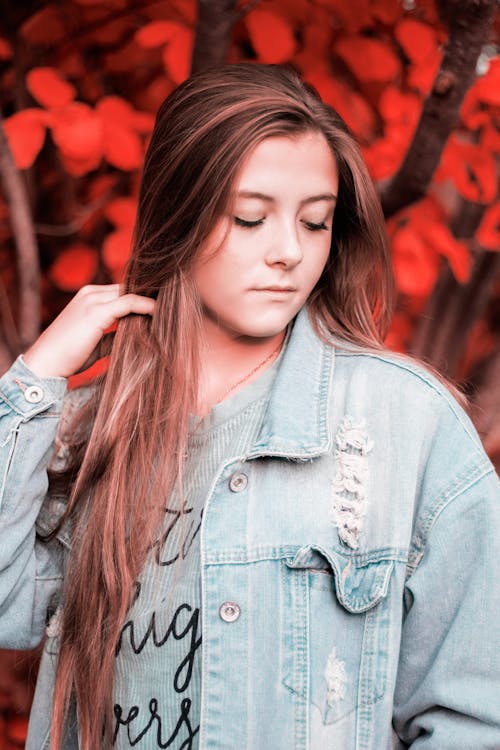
(159, 653)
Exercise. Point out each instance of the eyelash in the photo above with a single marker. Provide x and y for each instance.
(250, 224)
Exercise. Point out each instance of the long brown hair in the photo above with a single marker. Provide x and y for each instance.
(131, 457)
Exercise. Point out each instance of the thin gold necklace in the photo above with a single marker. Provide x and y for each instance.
(242, 380)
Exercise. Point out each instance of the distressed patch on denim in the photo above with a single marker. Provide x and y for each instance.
(349, 485)
(336, 678)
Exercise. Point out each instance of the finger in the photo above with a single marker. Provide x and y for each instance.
(103, 349)
(131, 303)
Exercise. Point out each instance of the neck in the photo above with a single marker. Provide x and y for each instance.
(225, 360)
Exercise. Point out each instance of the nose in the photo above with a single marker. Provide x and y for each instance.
(285, 246)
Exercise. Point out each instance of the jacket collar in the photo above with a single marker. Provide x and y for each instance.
(296, 423)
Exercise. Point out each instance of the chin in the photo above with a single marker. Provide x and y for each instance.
(264, 330)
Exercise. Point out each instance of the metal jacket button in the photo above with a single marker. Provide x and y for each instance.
(238, 482)
(229, 611)
(33, 394)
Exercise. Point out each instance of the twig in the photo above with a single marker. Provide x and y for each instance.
(26, 248)
(74, 226)
(245, 9)
(9, 328)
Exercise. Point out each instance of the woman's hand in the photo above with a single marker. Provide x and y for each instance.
(69, 341)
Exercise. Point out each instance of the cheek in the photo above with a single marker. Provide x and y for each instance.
(220, 280)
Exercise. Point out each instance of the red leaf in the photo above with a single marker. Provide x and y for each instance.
(369, 59)
(6, 51)
(472, 169)
(44, 27)
(441, 239)
(121, 212)
(74, 267)
(80, 167)
(25, 133)
(298, 12)
(126, 58)
(415, 264)
(271, 36)
(78, 132)
(490, 139)
(116, 252)
(418, 40)
(143, 122)
(156, 33)
(421, 76)
(312, 57)
(115, 110)
(122, 147)
(351, 106)
(383, 158)
(488, 233)
(488, 87)
(473, 112)
(178, 53)
(399, 108)
(387, 11)
(49, 88)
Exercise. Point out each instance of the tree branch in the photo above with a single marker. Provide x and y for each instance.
(469, 22)
(26, 248)
(216, 19)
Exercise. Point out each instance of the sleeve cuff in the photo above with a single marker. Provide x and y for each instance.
(27, 393)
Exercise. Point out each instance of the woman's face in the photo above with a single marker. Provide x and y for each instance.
(279, 234)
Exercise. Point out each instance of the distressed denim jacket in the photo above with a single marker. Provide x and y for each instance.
(349, 561)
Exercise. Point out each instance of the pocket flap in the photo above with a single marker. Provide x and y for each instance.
(359, 586)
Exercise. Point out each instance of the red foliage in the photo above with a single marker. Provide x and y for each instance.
(49, 88)
(472, 168)
(25, 131)
(272, 37)
(74, 267)
(369, 59)
(418, 40)
(488, 233)
(78, 131)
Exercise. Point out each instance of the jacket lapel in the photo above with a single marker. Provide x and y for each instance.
(296, 424)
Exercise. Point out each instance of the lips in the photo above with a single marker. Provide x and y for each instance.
(276, 289)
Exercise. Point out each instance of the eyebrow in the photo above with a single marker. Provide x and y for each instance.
(270, 199)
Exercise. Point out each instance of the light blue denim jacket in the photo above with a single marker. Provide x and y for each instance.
(358, 543)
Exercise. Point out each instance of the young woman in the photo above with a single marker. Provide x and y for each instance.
(260, 529)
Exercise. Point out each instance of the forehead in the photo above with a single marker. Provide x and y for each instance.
(289, 162)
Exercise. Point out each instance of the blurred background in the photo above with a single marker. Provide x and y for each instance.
(418, 82)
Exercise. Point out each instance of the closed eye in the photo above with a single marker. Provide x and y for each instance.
(309, 224)
(315, 227)
(245, 223)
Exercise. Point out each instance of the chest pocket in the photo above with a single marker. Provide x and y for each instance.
(336, 625)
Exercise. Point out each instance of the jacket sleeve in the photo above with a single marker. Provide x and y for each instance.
(448, 687)
(30, 569)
